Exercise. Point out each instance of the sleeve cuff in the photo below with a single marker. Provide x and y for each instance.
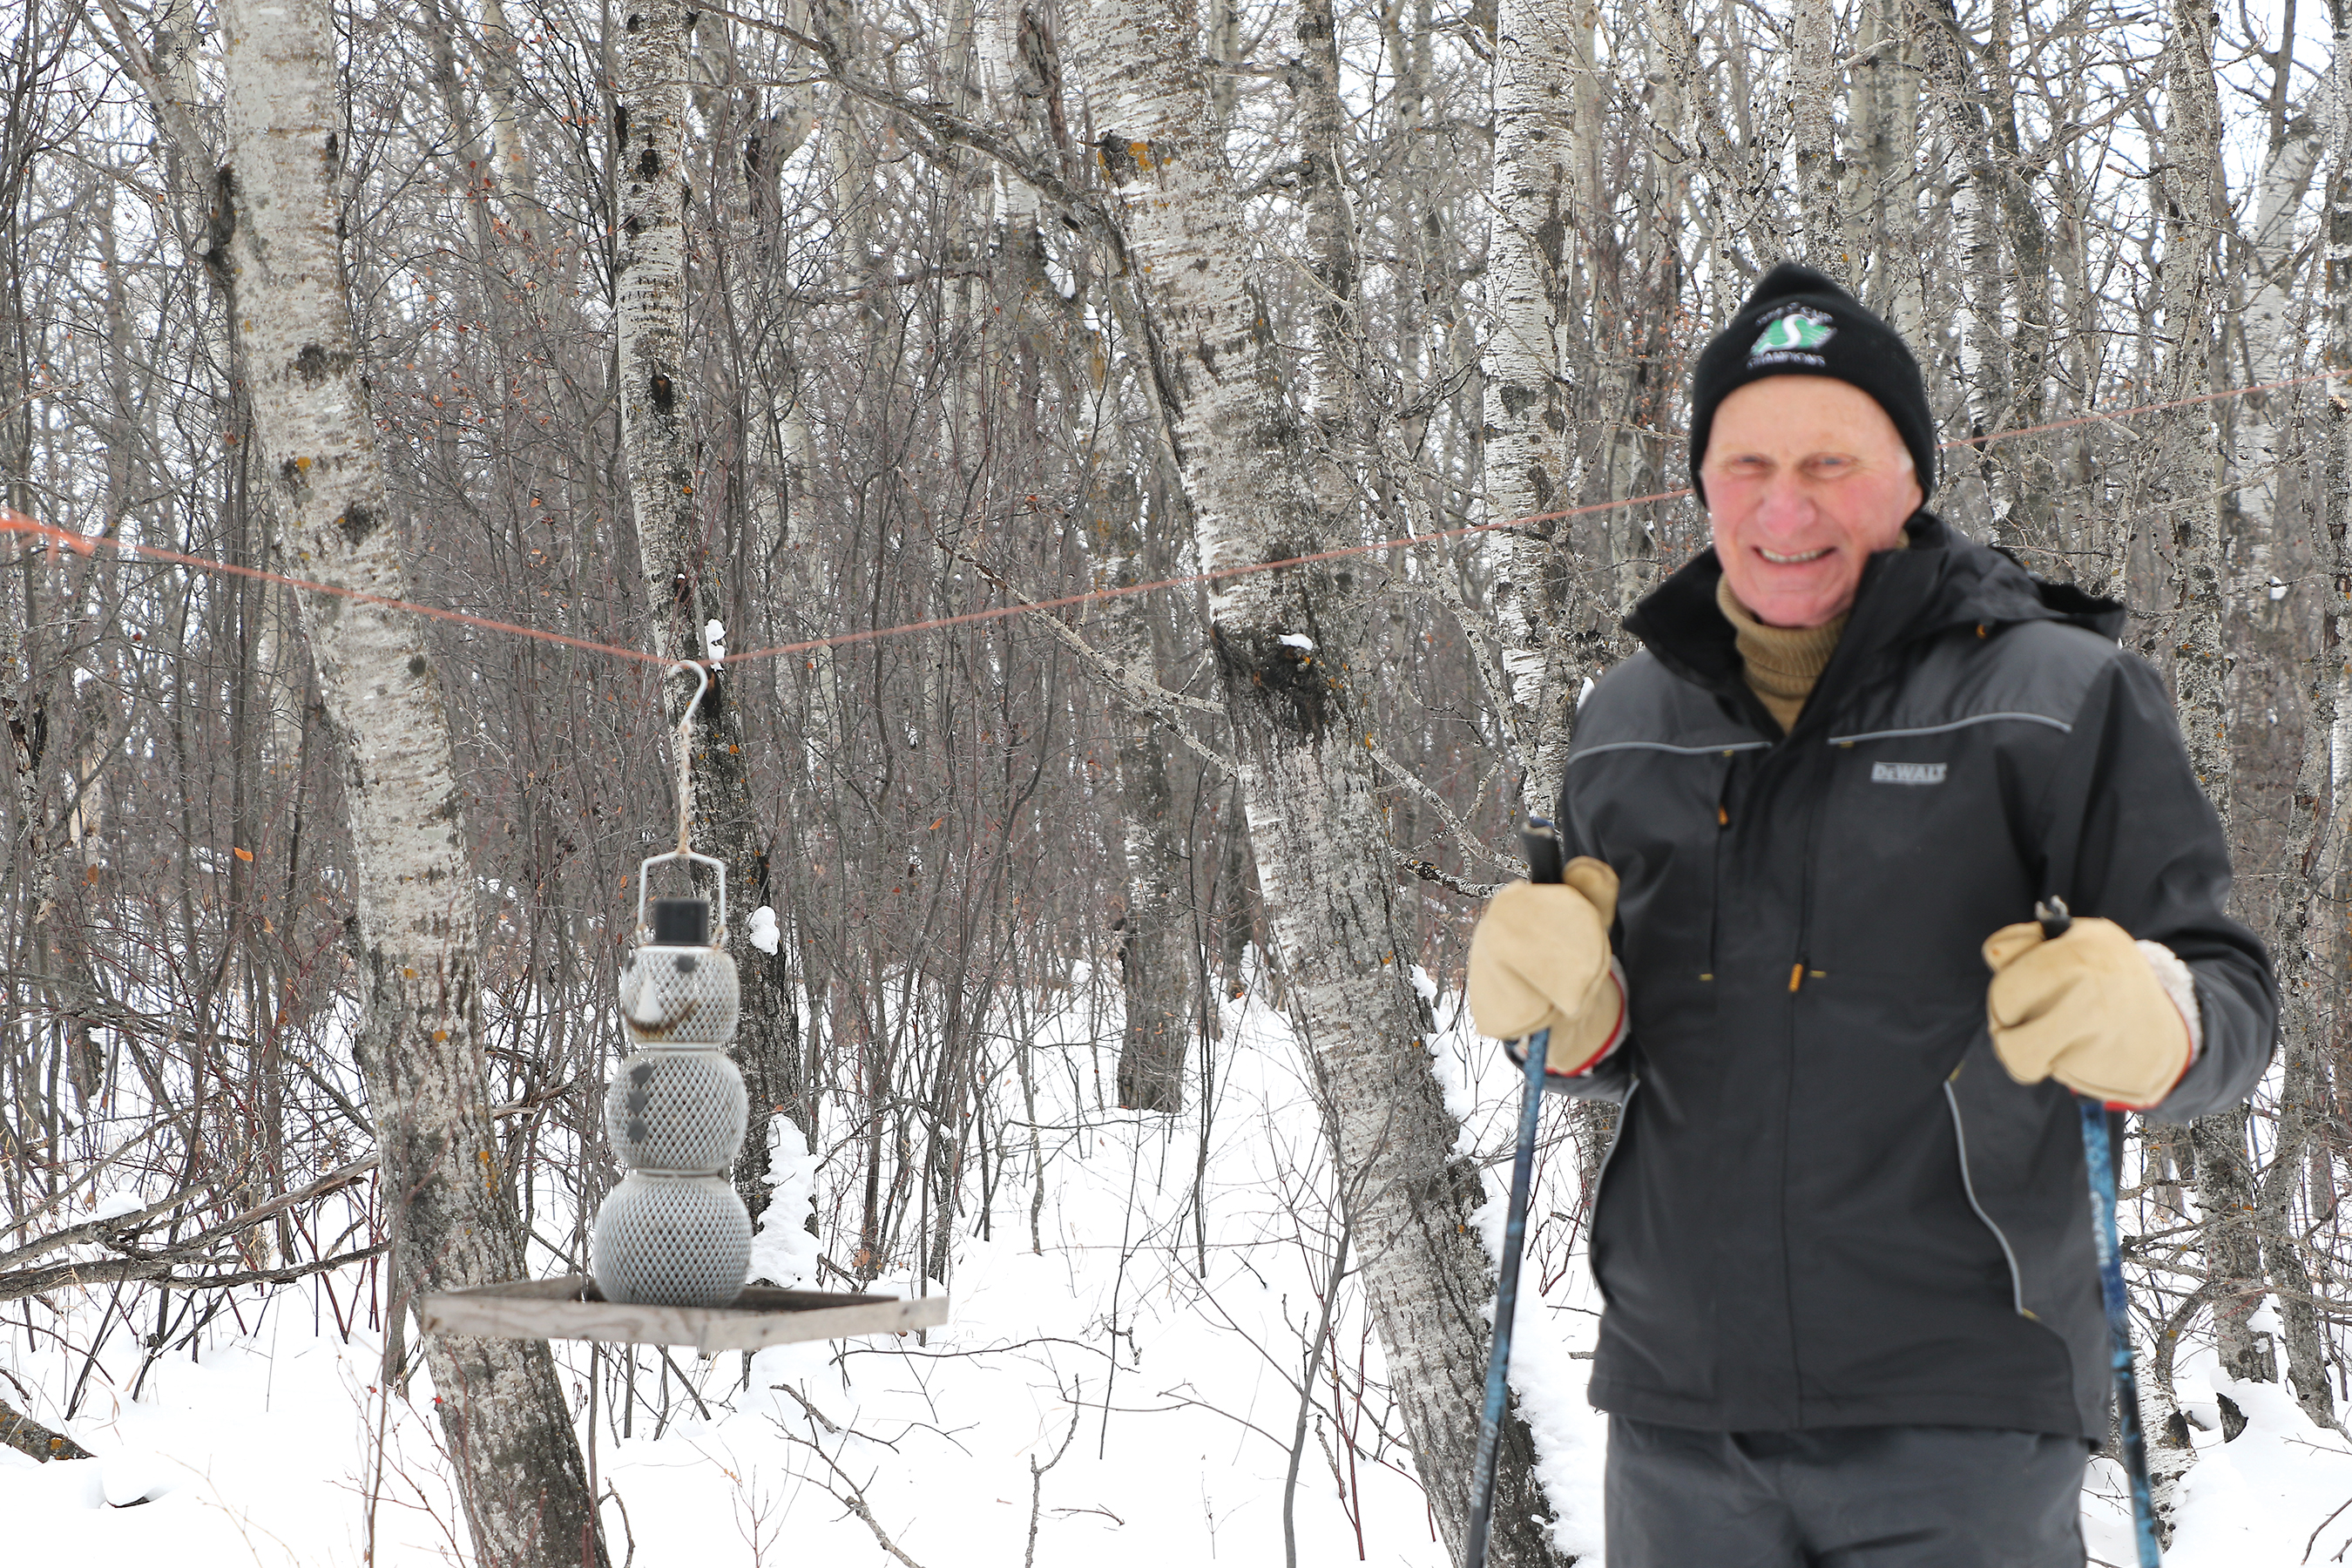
(2182, 986)
(1617, 1031)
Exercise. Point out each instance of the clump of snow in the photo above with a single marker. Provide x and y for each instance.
(116, 1204)
(763, 929)
(714, 638)
(1299, 641)
(135, 1475)
(783, 1252)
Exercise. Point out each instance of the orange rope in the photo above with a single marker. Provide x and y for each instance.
(87, 543)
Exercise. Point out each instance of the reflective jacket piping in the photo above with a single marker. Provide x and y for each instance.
(2058, 724)
(1960, 1132)
(1726, 747)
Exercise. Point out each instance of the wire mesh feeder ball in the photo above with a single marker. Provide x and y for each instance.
(680, 993)
(674, 1233)
(677, 1110)
(672, 1241)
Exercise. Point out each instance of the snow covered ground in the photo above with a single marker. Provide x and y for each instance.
(1129, 1392)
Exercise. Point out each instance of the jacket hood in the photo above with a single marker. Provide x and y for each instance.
(1942, 580)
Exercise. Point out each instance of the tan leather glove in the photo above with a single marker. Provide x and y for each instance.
(1539, 960)
(2085, 1009)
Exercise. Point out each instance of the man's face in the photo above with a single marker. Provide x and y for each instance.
(1806, 478)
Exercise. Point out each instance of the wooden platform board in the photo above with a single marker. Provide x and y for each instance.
(570, 1307)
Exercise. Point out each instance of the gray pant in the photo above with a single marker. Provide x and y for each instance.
(1847, 1497)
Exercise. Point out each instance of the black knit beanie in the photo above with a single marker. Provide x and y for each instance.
(1800, 322)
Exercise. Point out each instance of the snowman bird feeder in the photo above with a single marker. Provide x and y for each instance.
(673, 1242)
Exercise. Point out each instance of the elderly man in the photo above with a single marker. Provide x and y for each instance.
(1852, 1309)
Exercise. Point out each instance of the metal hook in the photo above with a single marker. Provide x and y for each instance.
(685, 850)
(686, 750)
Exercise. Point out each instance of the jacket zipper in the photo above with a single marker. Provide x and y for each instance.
(1787, 1108)
(1797, 971)
(1722, 848)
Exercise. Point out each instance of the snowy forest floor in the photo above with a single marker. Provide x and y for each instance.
(1128, 1392)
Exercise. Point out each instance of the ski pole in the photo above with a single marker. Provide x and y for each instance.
(2099, 1155)
(1541, 842)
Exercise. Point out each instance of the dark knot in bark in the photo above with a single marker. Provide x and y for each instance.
(1287, 683)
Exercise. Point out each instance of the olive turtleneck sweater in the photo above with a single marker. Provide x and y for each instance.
(1783, 662)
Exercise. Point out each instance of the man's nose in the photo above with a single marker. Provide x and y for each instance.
(1784, 504)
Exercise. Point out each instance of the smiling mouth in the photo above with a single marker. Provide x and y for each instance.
(1791, 559)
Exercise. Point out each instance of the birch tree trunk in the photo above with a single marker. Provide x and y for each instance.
(419, 1044)
(1885, 175)
(1285, 645)
(1330, 240)
(2271, 333)
(2195, 212)
(1157, 958)
(1813, 79)
(682, 591)
(2335, 483)
(1531, 400)
(2311, 946)
(510, 164)
(1986, 374)
(2030, 475)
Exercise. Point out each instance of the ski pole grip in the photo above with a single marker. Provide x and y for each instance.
(2054, 916)
(1540, 840)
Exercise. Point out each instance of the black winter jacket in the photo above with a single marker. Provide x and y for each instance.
(1828, 1205)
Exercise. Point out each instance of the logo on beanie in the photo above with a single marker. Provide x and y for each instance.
(1795, 332)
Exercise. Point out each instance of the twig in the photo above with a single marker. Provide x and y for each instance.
(1037, 1475)
(1147, 695)
(1468, 840)
(627, 1534)
(686, 1382)
(158, 1270)
(813, 1413)
(855, 1502)
(1306, 1391)
(1429, 871)
(2323, 1524)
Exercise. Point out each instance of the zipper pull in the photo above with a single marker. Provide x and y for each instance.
(1796, 976)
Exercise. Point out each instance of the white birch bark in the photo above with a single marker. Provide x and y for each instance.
(2309, 947)
(1285, 645)
(1530, 401)
(1744, 224)
(682, 589)
(510, 164)
(1814, 76)
(1158, 960)
(1966, 139)
(2272, 335)
(2195, 212)
(2336, 486)
(1886, 98)
(420, 1045)
(1330, 245)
